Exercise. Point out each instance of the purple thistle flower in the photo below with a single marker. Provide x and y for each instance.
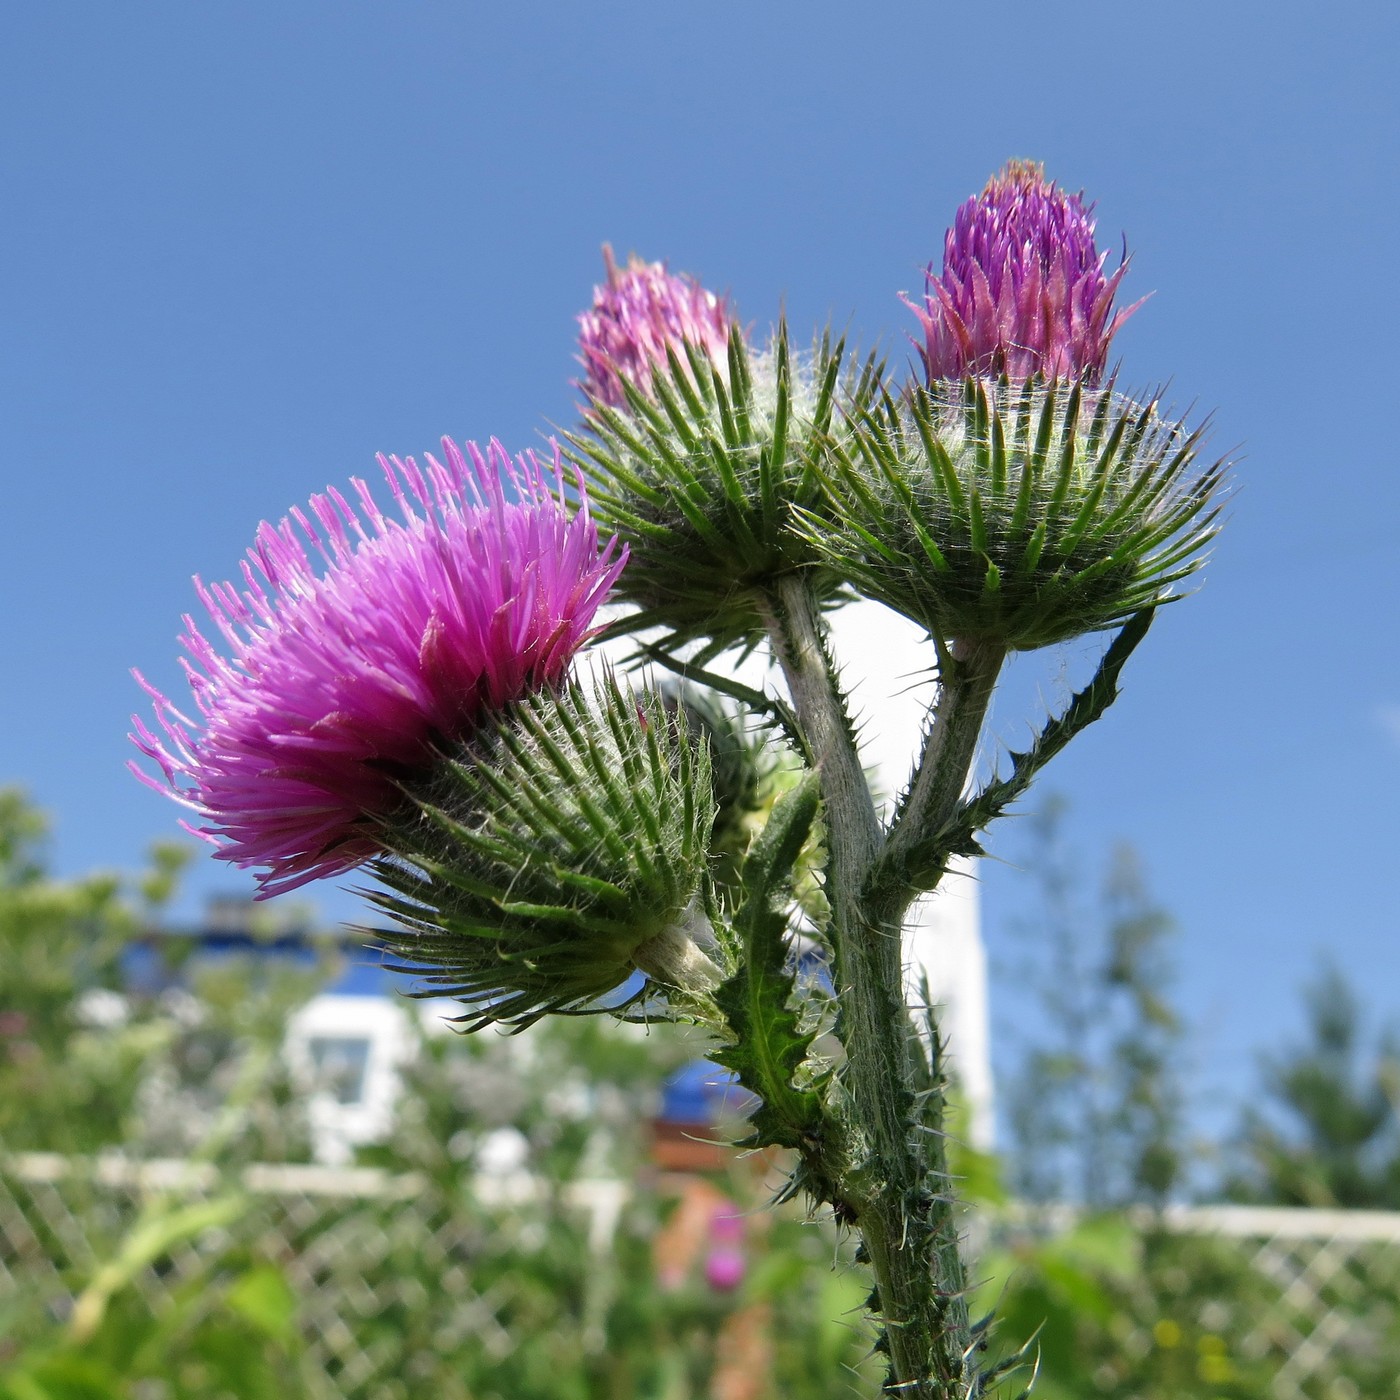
(637, 315)
(342, 686)
(1023, 290)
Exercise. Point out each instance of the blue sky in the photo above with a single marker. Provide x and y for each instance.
(246, 247)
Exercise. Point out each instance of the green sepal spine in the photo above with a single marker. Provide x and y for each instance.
(1015, 514)
(542, 855)
(701, 476)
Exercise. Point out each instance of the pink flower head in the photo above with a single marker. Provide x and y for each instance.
(637, 315)
(342, 685)
(1023, 289)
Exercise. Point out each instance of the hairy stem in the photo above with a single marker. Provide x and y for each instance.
(899, 1189)
(968, 678)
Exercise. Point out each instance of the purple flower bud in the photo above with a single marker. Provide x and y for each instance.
(639, 314)
(342, 686)
(1023, 290)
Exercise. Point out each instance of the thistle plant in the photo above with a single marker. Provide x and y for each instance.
(412, 711)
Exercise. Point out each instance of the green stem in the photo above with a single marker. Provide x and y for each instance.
(968, 678)
(900, 1202)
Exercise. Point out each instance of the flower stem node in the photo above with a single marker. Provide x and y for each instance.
(552, 855)
(700, 471)
(1017, 514)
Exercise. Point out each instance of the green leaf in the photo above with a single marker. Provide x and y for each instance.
(62, 1376)
(770, 1045)
(263, 1297)
(153, 1235)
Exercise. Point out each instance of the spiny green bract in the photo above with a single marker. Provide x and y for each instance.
(700, 476)
(1018, 514)
(547, 852)
(744, 762)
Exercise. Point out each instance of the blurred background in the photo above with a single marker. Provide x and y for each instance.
(247, 248)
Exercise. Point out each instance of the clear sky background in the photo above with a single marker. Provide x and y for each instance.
(246, 247)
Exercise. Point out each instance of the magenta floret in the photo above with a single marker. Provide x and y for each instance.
(1023, 289)
(342, 685)
(639, 313)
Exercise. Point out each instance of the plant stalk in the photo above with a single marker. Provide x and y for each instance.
(967, 680)
(900, 1189)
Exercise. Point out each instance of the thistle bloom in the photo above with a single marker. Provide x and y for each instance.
(1023, 290)
(725, 1265)
(341, 687)
(638, 315)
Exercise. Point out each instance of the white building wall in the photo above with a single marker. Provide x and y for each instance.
(348, 1052)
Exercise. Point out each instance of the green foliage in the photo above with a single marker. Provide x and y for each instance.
(770, 1040)
(598, 1324)
(1123, 1311)
(557, 1313)
(62, 1083)
(192, 1296)
(1327, 1132)
(1110, 1305)
(87, 1062)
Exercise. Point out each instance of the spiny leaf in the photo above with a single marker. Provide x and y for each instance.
(770, 1046)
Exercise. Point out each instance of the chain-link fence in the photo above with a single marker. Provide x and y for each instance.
(399, 1286)
(389, 1281)
(1330, 1300)
(1217, 1301)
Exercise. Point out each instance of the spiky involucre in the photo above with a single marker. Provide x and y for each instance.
(701, 473)
(744, 760)
(547, 851)
(1017, 514)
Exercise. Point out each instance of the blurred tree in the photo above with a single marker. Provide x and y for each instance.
(65, 1082)
(90, 1061)
(1094, 1098)
(1327, 1129)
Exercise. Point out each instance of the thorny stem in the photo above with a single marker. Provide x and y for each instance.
(900, 1190)
(967, 679)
